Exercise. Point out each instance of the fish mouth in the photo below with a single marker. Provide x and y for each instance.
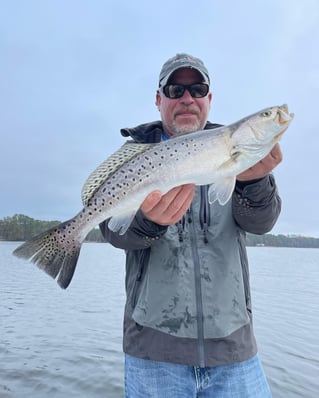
(284, 118)
(283, 114)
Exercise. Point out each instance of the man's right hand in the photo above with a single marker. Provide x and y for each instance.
(169, 208)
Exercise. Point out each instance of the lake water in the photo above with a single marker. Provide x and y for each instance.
(57, 344)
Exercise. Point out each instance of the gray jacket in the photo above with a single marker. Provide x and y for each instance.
(187, 285)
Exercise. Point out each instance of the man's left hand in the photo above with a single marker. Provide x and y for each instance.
(264, 167)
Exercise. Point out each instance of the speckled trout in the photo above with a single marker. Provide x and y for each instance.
(117, 188)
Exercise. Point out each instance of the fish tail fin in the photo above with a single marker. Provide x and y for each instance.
(55, 251)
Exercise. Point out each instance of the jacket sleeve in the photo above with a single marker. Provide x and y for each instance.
(256, 204)
(141, 234)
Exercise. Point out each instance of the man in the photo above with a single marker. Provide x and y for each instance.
(188, 319)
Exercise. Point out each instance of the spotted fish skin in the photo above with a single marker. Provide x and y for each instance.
(116, 189)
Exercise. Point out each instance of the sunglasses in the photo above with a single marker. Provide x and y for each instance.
(196, 90)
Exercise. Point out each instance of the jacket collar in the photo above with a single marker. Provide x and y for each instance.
(152, 132)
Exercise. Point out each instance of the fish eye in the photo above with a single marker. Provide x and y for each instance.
(266, 114)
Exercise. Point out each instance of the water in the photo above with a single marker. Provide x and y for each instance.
(56, 343)
(62, 343)
(286, 306)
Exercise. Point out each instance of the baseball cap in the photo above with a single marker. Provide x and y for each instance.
(182, 60)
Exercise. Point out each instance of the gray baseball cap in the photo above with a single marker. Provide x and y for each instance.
(182, 60)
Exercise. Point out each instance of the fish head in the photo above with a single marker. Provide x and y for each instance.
(271, 123)
(258, 133)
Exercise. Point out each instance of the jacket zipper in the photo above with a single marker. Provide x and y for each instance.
(204, 211)
(244, 266)
(198, 290)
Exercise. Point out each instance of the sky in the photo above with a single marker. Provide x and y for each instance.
(74, 72)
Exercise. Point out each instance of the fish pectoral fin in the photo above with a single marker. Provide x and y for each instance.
(121, 223)
(221, 190)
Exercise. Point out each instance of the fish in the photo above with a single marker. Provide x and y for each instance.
(117, 188)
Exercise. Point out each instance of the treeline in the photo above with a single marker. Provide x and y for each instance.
(21, 228)
(282, 241)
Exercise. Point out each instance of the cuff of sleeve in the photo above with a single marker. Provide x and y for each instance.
(148, 228)
(256, 189)
(240, 185)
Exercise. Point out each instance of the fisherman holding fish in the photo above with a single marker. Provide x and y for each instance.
(179, 197)
(188, 319)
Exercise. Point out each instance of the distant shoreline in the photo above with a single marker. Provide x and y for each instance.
(21, 228)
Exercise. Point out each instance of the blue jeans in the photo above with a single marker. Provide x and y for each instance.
(153, 379)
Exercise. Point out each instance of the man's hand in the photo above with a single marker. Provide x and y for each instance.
(169, 208)
(264, 167)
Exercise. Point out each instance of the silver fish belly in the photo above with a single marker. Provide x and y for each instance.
(116, 189)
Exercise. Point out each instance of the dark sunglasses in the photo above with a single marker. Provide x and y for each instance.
(196, 90)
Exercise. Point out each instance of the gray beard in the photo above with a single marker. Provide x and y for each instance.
(177, 130)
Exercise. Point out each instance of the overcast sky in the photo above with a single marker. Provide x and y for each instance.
(73, 72)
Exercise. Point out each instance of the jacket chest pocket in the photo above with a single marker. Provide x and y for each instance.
(142, 263)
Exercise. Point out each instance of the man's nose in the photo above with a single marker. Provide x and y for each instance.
(187, 98)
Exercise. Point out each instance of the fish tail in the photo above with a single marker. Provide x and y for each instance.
(55, 251)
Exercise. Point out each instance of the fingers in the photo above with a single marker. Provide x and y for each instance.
(267, 164)
(276, 154)
(169, 208)
(151, 201)
(180, 204)
(264, 167)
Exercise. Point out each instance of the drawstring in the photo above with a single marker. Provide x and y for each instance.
(180, 229)
(204, 216)
(181, 225)
(205, 229)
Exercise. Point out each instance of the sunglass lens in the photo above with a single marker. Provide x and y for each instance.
(198, 90)
(174, 90)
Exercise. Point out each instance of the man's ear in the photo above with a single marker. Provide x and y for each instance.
(210, 97)
(158, 100)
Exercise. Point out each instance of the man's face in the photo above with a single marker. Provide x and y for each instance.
(185, 114)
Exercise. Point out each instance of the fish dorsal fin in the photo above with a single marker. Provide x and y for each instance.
(103, 172)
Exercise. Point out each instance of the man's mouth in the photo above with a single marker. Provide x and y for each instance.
(186, 113)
